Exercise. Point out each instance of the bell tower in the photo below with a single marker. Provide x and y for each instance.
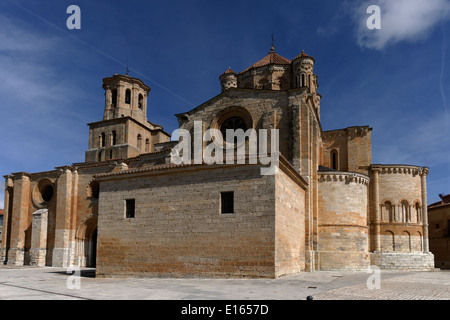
(124, 131)
(125, 97)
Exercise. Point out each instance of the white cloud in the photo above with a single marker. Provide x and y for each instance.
(18, 36)
(401, 20)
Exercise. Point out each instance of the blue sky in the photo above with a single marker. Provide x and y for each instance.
(397, 79)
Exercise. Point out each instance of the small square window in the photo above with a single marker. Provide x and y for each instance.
(227, 202)
(129, 208)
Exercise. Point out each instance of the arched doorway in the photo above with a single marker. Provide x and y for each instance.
(87, 242)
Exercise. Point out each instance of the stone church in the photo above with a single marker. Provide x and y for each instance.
(130, 210)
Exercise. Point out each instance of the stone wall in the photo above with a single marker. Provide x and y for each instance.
(439, 220)
(289, 224)
(343, 229)
(353, 146)
(178, 229)
(261, 109)
(403, 261)
(400, 209)
(126, 143)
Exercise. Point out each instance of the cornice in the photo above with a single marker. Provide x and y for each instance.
(342, 176)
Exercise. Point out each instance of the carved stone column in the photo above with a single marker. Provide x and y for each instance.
(423, 177)
(376, 199)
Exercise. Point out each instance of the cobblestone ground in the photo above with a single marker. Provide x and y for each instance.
(395, 286)
(30, 283)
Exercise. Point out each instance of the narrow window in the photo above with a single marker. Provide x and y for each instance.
(418, 213)
(141, 101)
(114, 138)
(303, 84)
(147, 145)
(128, 96)
(110, 154)
(129, 208)
(297, 81)
(103, 140)
(139, 141)
(334, 160)
(405, 213)
(114, 98)
(227, 202)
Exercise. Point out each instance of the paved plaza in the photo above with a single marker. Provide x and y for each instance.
(49, 283)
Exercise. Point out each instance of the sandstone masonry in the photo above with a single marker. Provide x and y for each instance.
(130, 210)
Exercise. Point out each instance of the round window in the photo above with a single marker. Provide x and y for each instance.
(47, 193)
(43, 193)
(232, 123)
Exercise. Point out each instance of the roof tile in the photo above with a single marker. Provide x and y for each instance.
(271, 58)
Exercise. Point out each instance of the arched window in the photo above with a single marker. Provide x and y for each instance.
(389, 211)
(334, 160)
(303, 84)
(405, 212)
(100, 154)
(141, 101)
(114, 137)
(102, 140)
(418, 212)
(128, 96)
(147, 145)
(139, 141)
(110, 154)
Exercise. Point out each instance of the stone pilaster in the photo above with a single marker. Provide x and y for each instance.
(19, 219)
(61, 251)
(295, 136)
(9, 192)
(38, 249)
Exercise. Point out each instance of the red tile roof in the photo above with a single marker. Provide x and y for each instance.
(229, 71)
(1, 212)
(303, 55)
(271, 58)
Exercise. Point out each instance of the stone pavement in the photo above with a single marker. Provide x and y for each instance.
(48, 283)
